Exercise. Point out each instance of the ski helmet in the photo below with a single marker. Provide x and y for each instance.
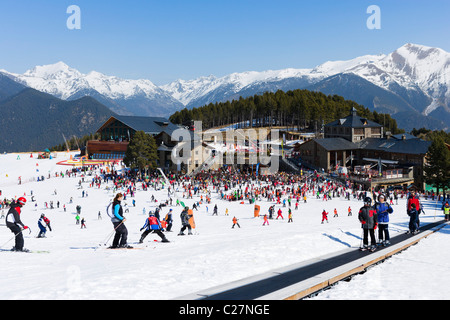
(22, 201)
(368, 200)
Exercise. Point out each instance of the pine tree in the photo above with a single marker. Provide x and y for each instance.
(141, 152)
(437, 168)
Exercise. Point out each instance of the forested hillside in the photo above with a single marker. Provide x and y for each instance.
(303, 109)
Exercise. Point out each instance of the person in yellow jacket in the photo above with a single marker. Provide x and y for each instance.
(446, 211)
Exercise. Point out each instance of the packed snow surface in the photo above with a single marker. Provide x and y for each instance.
(69, 264)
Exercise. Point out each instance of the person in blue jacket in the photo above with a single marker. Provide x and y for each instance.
(120, 238)
(383, 212)
(152, 224)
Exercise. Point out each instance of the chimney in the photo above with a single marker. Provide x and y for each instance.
(388, 135)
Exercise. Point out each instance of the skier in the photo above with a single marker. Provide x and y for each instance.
(120, 238)
(152, 224)
(383, 211)
(324, 216)
(185, 222)
(290, 216)
(235, 222)
(413, 219)
(169, 220)
(279, 214)
(266, 220)
(368, 217)
(83, 225)
(446, 209)
(349, 211)
(14, 223)
(335, 213)
(42, 224)
(413, 198)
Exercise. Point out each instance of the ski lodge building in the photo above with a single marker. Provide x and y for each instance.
(359, 146)
(117, 132)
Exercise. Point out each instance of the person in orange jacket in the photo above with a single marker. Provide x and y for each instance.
(235, 222)
(266, 220)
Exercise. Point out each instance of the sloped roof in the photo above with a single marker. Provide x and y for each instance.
(150, 125)
(335, 144)
(408, 146)
(353, 121)
(393, 145)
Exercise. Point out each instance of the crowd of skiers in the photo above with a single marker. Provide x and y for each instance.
(282, 188)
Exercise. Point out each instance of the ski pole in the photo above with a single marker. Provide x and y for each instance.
(15, 235)
(111, 234)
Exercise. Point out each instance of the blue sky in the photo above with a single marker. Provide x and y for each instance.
(167, 40)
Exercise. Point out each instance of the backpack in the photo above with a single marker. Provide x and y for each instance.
(110, 210)
(154, 223)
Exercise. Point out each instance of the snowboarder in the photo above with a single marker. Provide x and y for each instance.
(368, 217)
(152, 224)
(14, 223)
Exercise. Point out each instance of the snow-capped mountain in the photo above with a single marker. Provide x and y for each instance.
(139, 97)
(203, 90)
(412, 83)
(413, 67)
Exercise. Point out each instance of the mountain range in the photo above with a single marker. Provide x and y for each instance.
(412, 84)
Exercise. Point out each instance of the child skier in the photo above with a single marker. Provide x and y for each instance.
(368, 217)
(324, 216)
(185, 222)
(42, 224)
(235, 222)
(413, 219)
(152, 224)
(266, 220)
(279, 214)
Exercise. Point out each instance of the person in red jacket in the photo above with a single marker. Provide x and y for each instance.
(413, 198)
(14, 223)
(324, 216)
(279, 212)
(152, 224)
